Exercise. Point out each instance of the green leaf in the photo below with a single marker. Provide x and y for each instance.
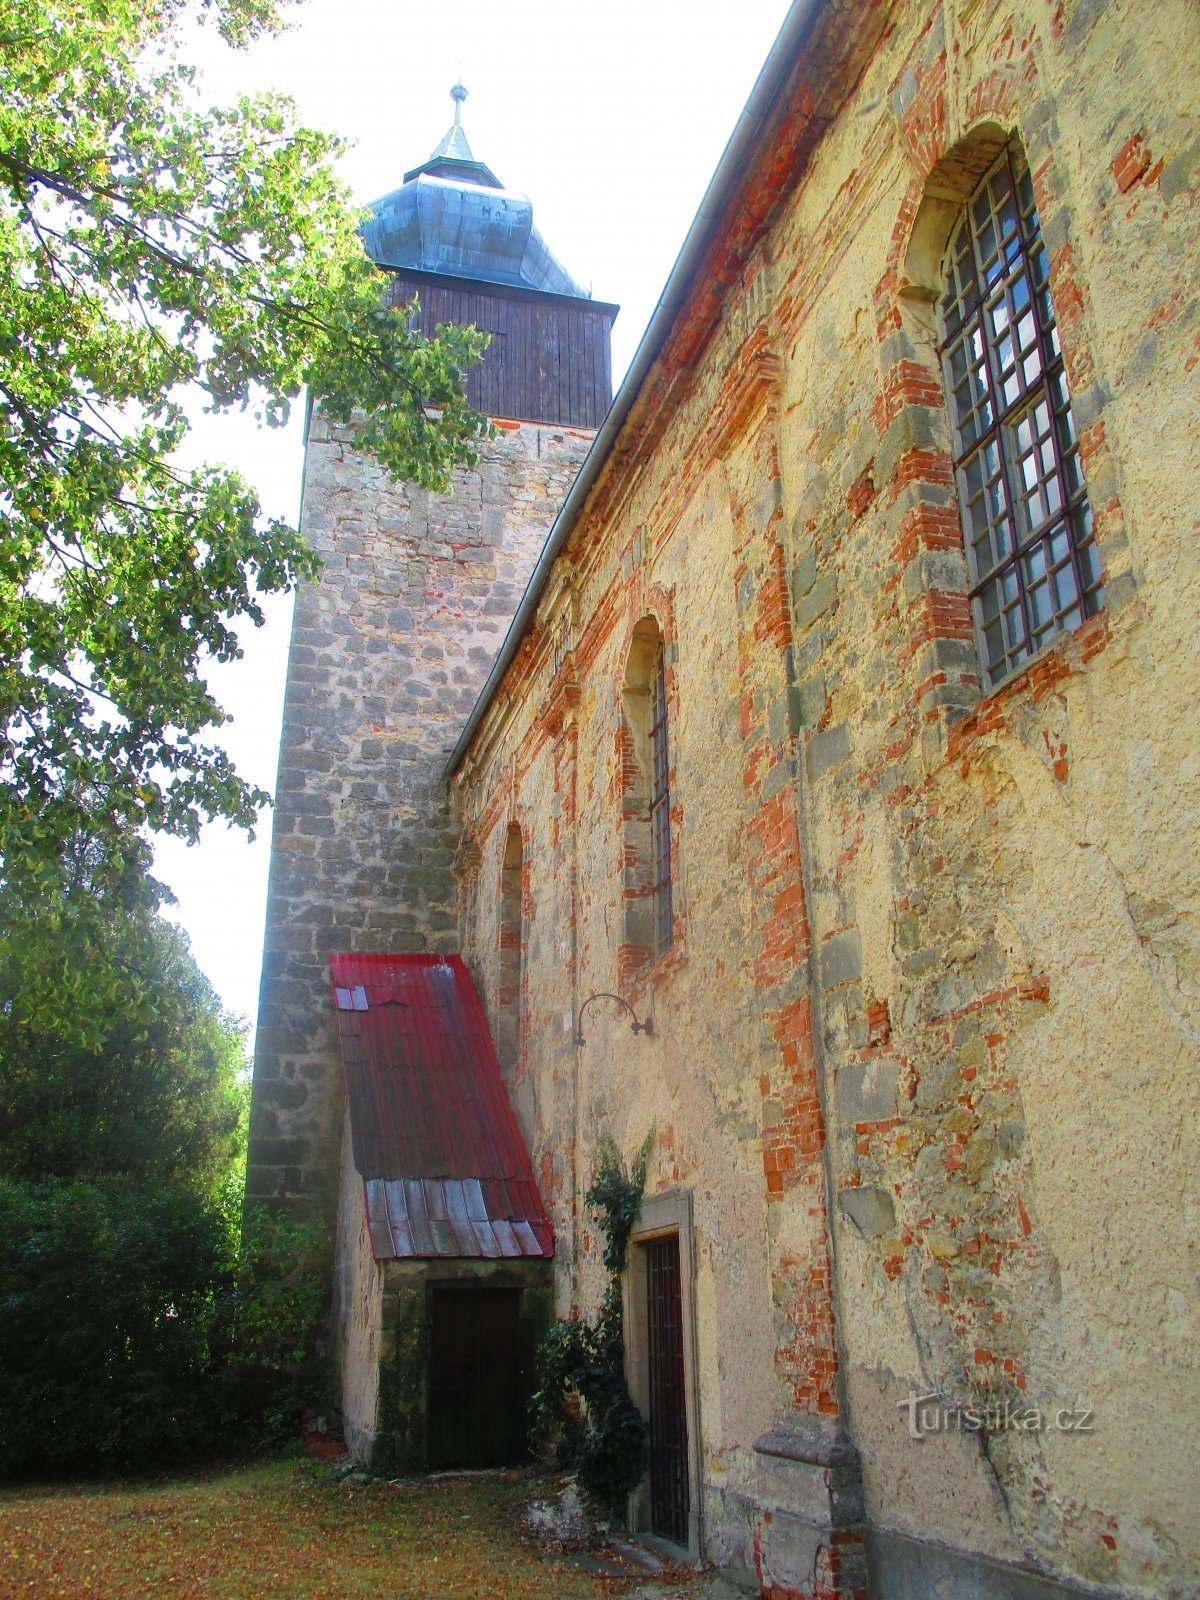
(581, 1407)
(148, 245)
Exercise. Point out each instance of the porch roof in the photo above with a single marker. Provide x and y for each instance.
(444, 1167)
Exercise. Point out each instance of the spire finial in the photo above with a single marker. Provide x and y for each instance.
(458, 94)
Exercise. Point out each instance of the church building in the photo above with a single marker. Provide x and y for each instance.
(798, 758)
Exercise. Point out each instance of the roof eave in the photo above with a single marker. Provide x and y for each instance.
(517, 291)
(743, 144)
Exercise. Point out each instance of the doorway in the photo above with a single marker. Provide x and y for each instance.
(667, 1391)
(661, 1368)
(479, 1377)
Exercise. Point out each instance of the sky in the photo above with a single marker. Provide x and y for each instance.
(611, 118)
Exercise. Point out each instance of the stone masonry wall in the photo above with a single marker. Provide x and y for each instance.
(390, 648)
(926, 1044)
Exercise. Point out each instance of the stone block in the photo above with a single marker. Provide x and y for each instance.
(292, 1151)
(826, 749)
(903, 1568)
(280, 1095)
(777, 778)
(816, 601)
(841, 959)
(867, 1090)
(871, 1210)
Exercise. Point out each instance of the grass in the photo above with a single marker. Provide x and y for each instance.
(283, 1531)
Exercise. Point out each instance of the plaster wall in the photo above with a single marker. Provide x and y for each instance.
(925, 1044)
(1004, 889)
(357, 1313)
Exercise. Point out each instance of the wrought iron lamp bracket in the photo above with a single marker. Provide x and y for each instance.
(636, 1026)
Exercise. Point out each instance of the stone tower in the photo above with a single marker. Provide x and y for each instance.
(392, 644)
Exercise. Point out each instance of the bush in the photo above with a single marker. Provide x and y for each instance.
(266, 1329)
(582, 1409)
(106, 1302)
(137, 1329)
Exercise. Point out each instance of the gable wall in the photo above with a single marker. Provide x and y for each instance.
(925, 1048)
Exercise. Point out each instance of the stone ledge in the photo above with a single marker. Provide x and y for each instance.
(807, 1440)
(903, 1568)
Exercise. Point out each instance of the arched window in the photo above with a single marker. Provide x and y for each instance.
(660, 805)
(508, 997)
(649, 916)
(1034, 566)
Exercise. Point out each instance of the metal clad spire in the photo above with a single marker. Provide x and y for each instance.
(454, 146)
(453, 215)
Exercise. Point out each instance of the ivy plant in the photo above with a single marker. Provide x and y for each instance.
(582, 1409)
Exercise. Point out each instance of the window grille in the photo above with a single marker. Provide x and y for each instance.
(660, 807)
(1035, 569)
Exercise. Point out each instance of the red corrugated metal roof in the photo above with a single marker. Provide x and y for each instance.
(444, 1167)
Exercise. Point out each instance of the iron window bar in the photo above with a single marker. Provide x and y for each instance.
(660, 807)
(1001, 400)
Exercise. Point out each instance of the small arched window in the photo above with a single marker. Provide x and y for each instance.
(512, 886)
(649, 914)
(660, 805)
(1027, 525)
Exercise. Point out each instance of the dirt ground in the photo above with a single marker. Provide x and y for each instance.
(293, 1531)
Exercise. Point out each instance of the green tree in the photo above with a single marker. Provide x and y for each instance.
(140, 1321)
(117, 1059)
(107, 1298)
(149, 245)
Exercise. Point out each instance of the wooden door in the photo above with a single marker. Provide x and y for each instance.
(669, 1500)
(479, 1374)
